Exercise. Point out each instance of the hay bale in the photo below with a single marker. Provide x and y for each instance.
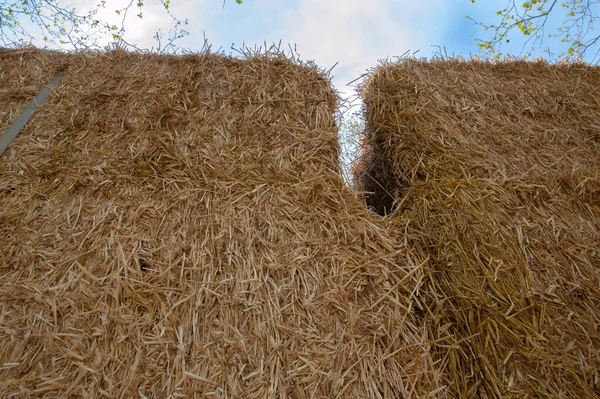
(493, 171)
(23, 73)
(177, 227)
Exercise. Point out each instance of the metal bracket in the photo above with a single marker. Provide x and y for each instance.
(15, 128)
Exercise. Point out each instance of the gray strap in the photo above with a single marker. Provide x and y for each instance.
(15, 128)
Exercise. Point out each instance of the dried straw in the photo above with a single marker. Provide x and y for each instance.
(23, 73)
(493, 172)
(178, 227)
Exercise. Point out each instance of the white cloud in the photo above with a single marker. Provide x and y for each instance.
(353, 33)
(357, 33)
(141, 31)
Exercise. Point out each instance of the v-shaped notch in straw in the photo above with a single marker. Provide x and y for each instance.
(15, 128)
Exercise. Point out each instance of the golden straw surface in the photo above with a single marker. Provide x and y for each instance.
(23, 73)
(178, 227)
(492, 171)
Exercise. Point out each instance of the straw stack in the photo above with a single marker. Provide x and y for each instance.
(178, 227)
(23, 73)
(492, 171)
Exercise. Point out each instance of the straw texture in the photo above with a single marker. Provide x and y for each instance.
(23, 73)
(492, 171)
(178, 227)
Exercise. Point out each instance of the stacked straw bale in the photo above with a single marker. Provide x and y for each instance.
(492, 172)
(23, 73)
(177, 227)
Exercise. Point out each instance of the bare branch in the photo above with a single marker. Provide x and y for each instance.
(24, 22)
(531, 19)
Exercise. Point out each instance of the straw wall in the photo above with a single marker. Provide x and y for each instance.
(493, 173)
(23, 73)
(177, 227)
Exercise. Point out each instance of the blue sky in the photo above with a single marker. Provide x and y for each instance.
(355, 34)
